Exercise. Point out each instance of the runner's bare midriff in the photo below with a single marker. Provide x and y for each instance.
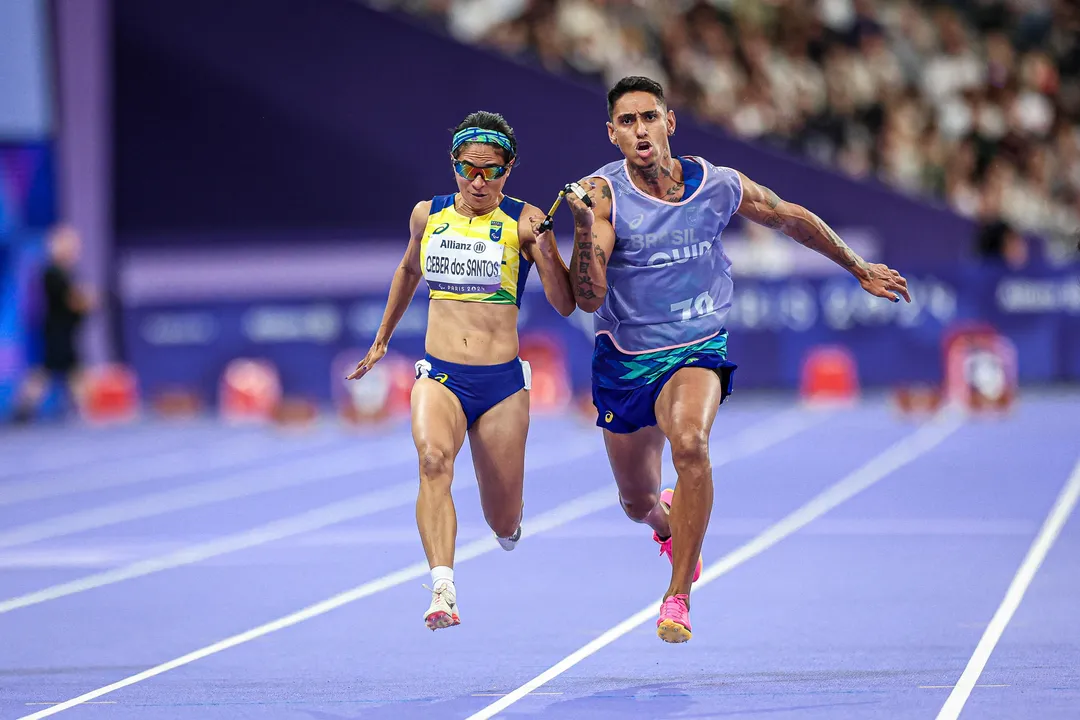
(472, 333)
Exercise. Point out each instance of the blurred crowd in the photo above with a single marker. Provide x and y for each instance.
(970, 103)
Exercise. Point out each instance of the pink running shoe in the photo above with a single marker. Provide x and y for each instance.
(674, 623)
(665, 545)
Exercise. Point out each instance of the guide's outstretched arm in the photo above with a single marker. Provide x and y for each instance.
(763, 206)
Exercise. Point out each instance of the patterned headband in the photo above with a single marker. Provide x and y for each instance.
(480, 135)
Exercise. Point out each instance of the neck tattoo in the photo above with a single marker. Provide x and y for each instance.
(660, 180)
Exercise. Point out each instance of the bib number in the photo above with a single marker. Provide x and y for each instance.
(458, 265)
(702, 305)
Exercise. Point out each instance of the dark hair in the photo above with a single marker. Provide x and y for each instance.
(991, 237)
(489, 121)
(633, 83)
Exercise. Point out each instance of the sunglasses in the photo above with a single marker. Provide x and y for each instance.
(470, 172)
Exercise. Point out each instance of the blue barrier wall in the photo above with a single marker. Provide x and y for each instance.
(773, 325)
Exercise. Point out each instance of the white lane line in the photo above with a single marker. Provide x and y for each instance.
(315, 519)
(567, 512)
(330, 514)
(892, 459)
(245, 483)
(119, 472)
(779, 428)
(92, 557)
(1051, 528)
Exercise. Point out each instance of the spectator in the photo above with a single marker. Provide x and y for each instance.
(998, 242)
(975, 103)
(66, 305)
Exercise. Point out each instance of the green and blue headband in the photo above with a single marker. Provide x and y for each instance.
(480, 135)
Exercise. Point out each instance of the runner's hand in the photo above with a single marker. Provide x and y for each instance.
(543, 239)
(583, 214)
(373, 356)
(885, 282)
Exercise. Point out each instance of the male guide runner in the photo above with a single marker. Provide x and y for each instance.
(648, 261)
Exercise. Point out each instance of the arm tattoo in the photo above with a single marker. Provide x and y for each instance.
(808, 230)
(847, 255)
(773, 220)
(588, 259)
(820, 237)
(771, 198)
(583, 286)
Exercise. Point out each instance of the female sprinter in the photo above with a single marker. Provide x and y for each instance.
(474, 248)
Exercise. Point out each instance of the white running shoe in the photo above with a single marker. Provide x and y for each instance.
(511, 542)
(443, 611)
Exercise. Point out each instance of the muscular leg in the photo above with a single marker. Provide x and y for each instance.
(685, 411)
(438, 427)
(497, 441)
(635, 461)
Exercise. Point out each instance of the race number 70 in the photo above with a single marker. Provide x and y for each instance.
(703, 304)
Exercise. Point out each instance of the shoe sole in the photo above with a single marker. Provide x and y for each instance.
(672, 632)
(439, 619)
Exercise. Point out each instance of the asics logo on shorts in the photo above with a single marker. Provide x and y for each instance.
(423, 370)
(609, 416)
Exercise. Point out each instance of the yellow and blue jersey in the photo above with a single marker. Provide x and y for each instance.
(474, 259)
